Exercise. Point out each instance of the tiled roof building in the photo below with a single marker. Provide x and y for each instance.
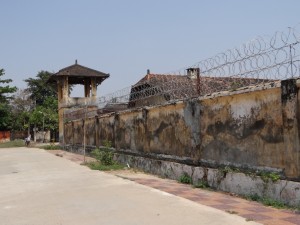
(155, 89)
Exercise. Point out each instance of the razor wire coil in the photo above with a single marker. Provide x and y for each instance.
(256, 62)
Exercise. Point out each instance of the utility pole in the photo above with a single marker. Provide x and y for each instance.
(34, 132)
(34, 128)
(84, 130)
(44, 128)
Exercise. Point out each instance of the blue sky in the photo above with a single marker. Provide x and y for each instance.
(125, 38)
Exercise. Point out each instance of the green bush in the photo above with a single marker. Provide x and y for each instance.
(274, 177)
(185, 179)
(272, 202)
(104, 155)
(107, 158)
(266, 176)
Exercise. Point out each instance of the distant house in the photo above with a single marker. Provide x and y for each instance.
(154, 89)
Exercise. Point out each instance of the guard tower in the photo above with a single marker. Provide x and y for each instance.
(73, 75)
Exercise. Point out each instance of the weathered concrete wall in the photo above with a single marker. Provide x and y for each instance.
(77, 132)
(106, 129)
(169, 130)
(69, 133)
(43, 136)
(243, 184)
(244, 130)
(90, 134)
(254, 128)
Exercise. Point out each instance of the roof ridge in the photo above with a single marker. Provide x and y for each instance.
(84, 67)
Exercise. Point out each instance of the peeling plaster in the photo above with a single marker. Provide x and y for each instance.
(243, 109)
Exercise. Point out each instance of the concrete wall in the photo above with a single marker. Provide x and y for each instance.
(239, 183)
(255, 128)
(43, 136)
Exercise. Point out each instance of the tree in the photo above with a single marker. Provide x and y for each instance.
(5, 96)
(5, 118)
(46, 116)
(5, 90)
(39, 88)
(44, 95)
(21, 106)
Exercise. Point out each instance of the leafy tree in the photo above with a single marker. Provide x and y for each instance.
(46, 116)
(5, 117)
(5, 91)
(44, 95)
(21, 106)
(39, 88)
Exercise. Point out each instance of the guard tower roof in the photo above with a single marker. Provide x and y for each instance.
(77, 74)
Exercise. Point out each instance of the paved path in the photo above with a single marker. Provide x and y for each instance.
(38, 188)
(230, 204)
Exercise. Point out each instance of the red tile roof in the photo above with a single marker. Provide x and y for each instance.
(173, 87)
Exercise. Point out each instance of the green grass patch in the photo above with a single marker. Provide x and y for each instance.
(99, 166)
(52, 147)
(12, 144)
(270, 202)
(273, 203)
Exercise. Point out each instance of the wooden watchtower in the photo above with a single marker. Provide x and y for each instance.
(74, 75)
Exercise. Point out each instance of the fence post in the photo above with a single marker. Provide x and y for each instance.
(198, 82)
(97, 131)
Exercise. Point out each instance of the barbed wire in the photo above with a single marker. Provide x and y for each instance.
(261, 60)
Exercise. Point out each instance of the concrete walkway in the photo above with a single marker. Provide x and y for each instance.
(38, 188)
(251, 211)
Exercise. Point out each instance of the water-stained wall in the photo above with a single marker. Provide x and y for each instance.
(256, 128)
(244, 129)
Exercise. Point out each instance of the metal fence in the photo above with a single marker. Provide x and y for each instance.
(261, 60)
